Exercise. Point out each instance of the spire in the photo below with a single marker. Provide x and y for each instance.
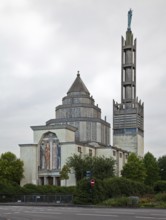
(128, 66)
(78, 86)
(129, 19)
(129, 35)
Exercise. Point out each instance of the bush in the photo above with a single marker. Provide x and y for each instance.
(154, 201)
(8, 187)
(87, 195)
(147, 203)
(47, 189)
(119, 186)
(160, 186)
(116, 202)
(29, 189)
(160, 197)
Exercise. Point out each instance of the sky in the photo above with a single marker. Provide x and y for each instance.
(43, 43)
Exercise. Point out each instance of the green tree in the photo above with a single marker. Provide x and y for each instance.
(64, 173)
(77, 164)
(152, 169)
(162, 167)
(11, 168)
(134, 169)
(103, 167)
(100, 167)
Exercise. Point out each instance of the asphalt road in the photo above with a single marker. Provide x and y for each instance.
(77, 213)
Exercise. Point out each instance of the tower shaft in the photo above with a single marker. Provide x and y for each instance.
(128, 116)
(128, 70)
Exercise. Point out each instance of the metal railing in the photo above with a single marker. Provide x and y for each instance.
(37, 198)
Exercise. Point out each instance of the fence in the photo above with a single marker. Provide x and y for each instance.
(56, 198)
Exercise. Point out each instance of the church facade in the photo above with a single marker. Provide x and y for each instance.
(79, 129)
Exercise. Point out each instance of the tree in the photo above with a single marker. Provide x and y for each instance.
(134, 169)
(77, 163)
(11, 168)
(64, 173)
(162, 167)
(152, 169)
(103, 167)
(99, 167)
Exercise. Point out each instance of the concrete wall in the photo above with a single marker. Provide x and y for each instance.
(140, 149)
(105, 151)
(28, 153)
(64, 135)
(126, 142)
(68, 150)
(132, 143)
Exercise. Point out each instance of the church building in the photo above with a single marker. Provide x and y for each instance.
(79, 129)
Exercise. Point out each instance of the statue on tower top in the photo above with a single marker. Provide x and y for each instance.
(129, 19)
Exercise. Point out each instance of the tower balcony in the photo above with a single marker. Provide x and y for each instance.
(129, 47)
(128, 65)
(128, 83)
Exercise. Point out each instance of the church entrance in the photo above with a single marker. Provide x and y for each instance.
(49, 180)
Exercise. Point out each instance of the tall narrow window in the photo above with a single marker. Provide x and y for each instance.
(79, 150)
(133, 57)
(90, 152)
(114, 153)
(133, 75)
(133, 92)
(124, 96)
(124, 57)
(123, 75)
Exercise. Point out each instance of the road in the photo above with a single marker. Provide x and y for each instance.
(77, 213)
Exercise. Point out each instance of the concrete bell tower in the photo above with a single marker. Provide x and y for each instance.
(128, 116)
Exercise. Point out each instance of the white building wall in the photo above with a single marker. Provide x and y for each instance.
(99, 132)
(68, 150)
(87, 149)
(140, 150)
(28, 154)
(82, 131)
(64, 135)
(126, 142)
(120, 158)
(106, 152)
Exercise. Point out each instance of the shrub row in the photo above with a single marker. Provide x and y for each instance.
(84, 193)
(108, 188)
(160, 186)
(119, 186)
(47, 189)
(7, 187)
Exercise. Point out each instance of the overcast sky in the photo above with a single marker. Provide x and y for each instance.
(43, 43)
